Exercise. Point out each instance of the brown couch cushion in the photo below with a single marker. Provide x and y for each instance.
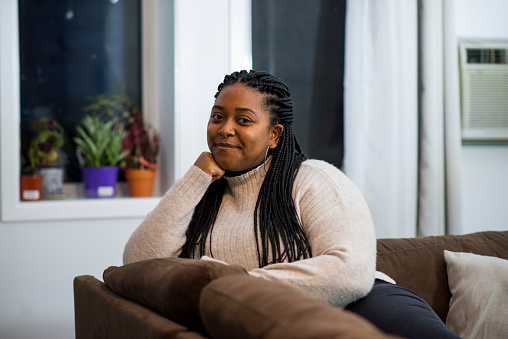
(418, 263)
(169, 286)
(101, 313)
(248, 307)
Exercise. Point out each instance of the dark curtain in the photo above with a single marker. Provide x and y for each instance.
(302, 42)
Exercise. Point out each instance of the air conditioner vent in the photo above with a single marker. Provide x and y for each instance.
(484, 92)
(487, 56)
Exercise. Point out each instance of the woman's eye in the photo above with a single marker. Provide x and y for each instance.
(215, 117)
(244, 120)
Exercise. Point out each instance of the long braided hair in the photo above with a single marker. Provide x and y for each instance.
(278, 231)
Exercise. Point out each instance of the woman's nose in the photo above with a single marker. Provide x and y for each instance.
(227, 129)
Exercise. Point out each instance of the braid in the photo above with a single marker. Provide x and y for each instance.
(278, 231)
(203, 219)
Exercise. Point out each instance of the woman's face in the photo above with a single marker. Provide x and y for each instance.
(239, 130)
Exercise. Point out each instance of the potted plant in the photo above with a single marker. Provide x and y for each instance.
(46, 145)
(30, 181)
(44, 157)
(141, 143)
(99, 145)
(141, 163)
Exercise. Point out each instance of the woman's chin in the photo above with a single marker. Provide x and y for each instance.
(226, 164)
(225, 161)
(232, 164)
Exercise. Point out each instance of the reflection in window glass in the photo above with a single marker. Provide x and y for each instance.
(73, 50)
(302, 42)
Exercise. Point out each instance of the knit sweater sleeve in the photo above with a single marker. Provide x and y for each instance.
(162, 232)
(340, 231)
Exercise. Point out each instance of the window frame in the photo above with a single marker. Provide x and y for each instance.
(14, 210)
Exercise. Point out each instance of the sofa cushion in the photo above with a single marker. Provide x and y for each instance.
(479, 287)
(101, 313)
(418, 263)
(169, 286)
(250, 307)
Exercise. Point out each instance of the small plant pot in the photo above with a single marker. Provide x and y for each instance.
(100, 182)
(52, 184)
(30, 187)
(140, 182)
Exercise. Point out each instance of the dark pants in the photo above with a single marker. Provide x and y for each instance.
(397, 310)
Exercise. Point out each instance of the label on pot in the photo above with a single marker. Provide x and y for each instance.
(31, 195)
(105, 191)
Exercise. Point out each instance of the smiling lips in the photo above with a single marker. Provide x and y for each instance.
(225, 146)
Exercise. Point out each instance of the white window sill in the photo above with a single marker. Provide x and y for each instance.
(80, 209)
(75, 208)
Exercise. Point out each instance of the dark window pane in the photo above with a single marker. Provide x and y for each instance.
(73, 50)
(302, 42)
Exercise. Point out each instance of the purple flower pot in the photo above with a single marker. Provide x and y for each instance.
(99, 182)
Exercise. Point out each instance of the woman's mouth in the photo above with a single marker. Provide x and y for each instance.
(225, 146)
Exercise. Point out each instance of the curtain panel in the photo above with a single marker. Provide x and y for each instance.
(402, 131)
(380, 110)
(439, 207)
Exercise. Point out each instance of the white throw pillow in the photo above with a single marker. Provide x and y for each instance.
(479, 302)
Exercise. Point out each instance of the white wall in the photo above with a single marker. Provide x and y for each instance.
(484, 19)
(484, 168)
(38, 262)
(485, 188)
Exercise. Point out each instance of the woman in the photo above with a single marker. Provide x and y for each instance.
(255, 200)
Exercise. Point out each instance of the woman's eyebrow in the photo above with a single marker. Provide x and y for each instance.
(244, 109)
(238, 109)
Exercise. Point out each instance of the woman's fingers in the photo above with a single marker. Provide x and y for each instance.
(207, 164)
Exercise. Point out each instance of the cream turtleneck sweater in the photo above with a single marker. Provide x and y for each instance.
(333, 213)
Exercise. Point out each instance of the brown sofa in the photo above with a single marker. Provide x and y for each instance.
(183, 298)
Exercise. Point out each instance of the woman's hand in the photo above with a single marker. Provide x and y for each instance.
(207, 164)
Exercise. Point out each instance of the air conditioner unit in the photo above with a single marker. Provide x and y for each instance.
(484, 92)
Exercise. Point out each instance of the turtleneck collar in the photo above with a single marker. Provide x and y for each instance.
(253, 177)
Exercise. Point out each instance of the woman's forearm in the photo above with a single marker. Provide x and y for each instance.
(162, 232)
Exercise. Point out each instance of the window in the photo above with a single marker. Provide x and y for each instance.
(12, 210)
(302, 42)
(71, 51)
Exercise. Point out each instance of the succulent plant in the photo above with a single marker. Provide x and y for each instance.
(99, 141)
(141, 142)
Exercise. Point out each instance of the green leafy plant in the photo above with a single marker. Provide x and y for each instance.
(99, 141)
(31, 168)
(45, 145)
(141, 142)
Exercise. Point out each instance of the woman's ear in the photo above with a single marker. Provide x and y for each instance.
(275, 135)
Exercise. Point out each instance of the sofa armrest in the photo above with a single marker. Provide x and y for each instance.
(101, 313)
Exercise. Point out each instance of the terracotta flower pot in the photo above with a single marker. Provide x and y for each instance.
(140, 182)
(30, 187)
